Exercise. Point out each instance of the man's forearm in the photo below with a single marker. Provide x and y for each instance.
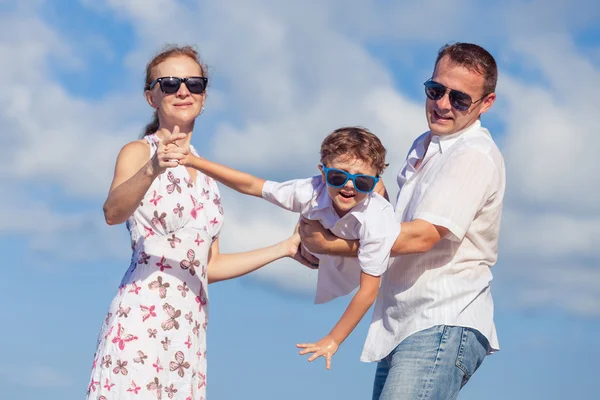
(418, 236)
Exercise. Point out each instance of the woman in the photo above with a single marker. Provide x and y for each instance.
(153, 339)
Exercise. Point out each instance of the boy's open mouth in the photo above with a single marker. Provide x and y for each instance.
(347, 195)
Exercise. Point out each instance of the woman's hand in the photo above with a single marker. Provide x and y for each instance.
(299, 253)
(170, 152)
(325, 347)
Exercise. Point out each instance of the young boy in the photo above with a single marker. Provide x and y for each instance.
(343, 198)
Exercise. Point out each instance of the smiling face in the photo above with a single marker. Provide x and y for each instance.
(442, 118)
(347, 197)
(180, 108)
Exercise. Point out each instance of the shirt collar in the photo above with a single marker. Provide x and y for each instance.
(444, 142)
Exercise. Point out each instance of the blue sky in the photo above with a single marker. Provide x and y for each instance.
(283, 75)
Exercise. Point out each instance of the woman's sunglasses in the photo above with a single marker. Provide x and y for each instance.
(459, 100)
(171, 84)
(337, 178)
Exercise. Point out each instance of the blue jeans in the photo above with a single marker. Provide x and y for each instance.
(431, 364)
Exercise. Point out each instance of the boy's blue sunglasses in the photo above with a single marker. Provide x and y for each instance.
(337, 178)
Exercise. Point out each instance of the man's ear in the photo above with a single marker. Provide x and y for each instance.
(487, 103)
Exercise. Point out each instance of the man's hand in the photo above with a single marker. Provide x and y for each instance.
(313, 236)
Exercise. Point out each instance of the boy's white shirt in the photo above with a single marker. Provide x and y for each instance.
(372, 222)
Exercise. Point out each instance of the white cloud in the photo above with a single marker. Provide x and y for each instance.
(37, 376)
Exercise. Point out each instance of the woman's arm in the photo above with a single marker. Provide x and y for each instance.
(237, 180)
(358, 307)
(227, 266)
(134, 174)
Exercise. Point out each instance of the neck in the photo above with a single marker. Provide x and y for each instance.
(166, 129)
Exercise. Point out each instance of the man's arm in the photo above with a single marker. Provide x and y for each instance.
(417, 236)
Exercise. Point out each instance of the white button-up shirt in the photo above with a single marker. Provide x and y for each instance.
(459, 185)
(372, 222)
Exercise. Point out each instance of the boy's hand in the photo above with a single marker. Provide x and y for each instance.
(314, 236)
(325, 347)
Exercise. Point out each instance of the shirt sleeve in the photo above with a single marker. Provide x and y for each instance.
(292, 195)
(377, 235)
(458, 192)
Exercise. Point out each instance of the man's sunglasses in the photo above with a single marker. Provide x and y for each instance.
(171, 84)
(337, 178)
(459, 100)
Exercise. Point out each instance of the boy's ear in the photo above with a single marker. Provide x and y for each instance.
(322, 173)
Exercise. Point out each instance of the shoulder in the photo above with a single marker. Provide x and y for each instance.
(134, 153)
(375, 210)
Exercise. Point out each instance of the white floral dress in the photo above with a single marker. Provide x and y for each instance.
(152, 344)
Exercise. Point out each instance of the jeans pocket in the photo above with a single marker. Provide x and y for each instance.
(471, 352)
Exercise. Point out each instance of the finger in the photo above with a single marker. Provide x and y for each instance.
(306, 351)
(303, 345)
(175, 130)
(315, 356)
(328, 362)
(173, 138)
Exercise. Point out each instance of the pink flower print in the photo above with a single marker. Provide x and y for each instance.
(121, 338)
(106, 361)
(140, 359)
(108, 385)
(155, 386)
(134, 388)
(109, 332)
(171, 391)
(155, 198)
(183, 289)
(107, 318)
(179, 365)
(204, 271)
(201, 380)
(149, 232)
(166, 343)
(103, 397)
(92, 386)
(217, 202)
(196, 330)
(152, 333)
(196, 206)
(198, 240)
(199, 355)
(159, 219)
(136, 289)
(189, 317)
(121, 368)
(191, 263)
(148, 312)
(158, 284)
(157, 365)
(123, 312)
(188, 342)
(173, 314)
(201, 299)
(205, 194)
(162, 264)
(143, 258)
(213, 221)
(174, 185)
(189, 182)
(173, 240)
(178, 210)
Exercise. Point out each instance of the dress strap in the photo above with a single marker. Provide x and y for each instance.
(152, 140)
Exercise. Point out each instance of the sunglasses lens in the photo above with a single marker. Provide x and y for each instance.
(170, 85)
(196, 84)
(434, 90)
(336, 178)
(460, 100)
(365, 183)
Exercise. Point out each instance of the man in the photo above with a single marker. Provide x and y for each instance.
(433, 319)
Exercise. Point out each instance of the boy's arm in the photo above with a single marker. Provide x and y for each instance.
(358, 307)
(237, 180)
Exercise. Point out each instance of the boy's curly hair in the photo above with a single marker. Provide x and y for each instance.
(354, 141)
